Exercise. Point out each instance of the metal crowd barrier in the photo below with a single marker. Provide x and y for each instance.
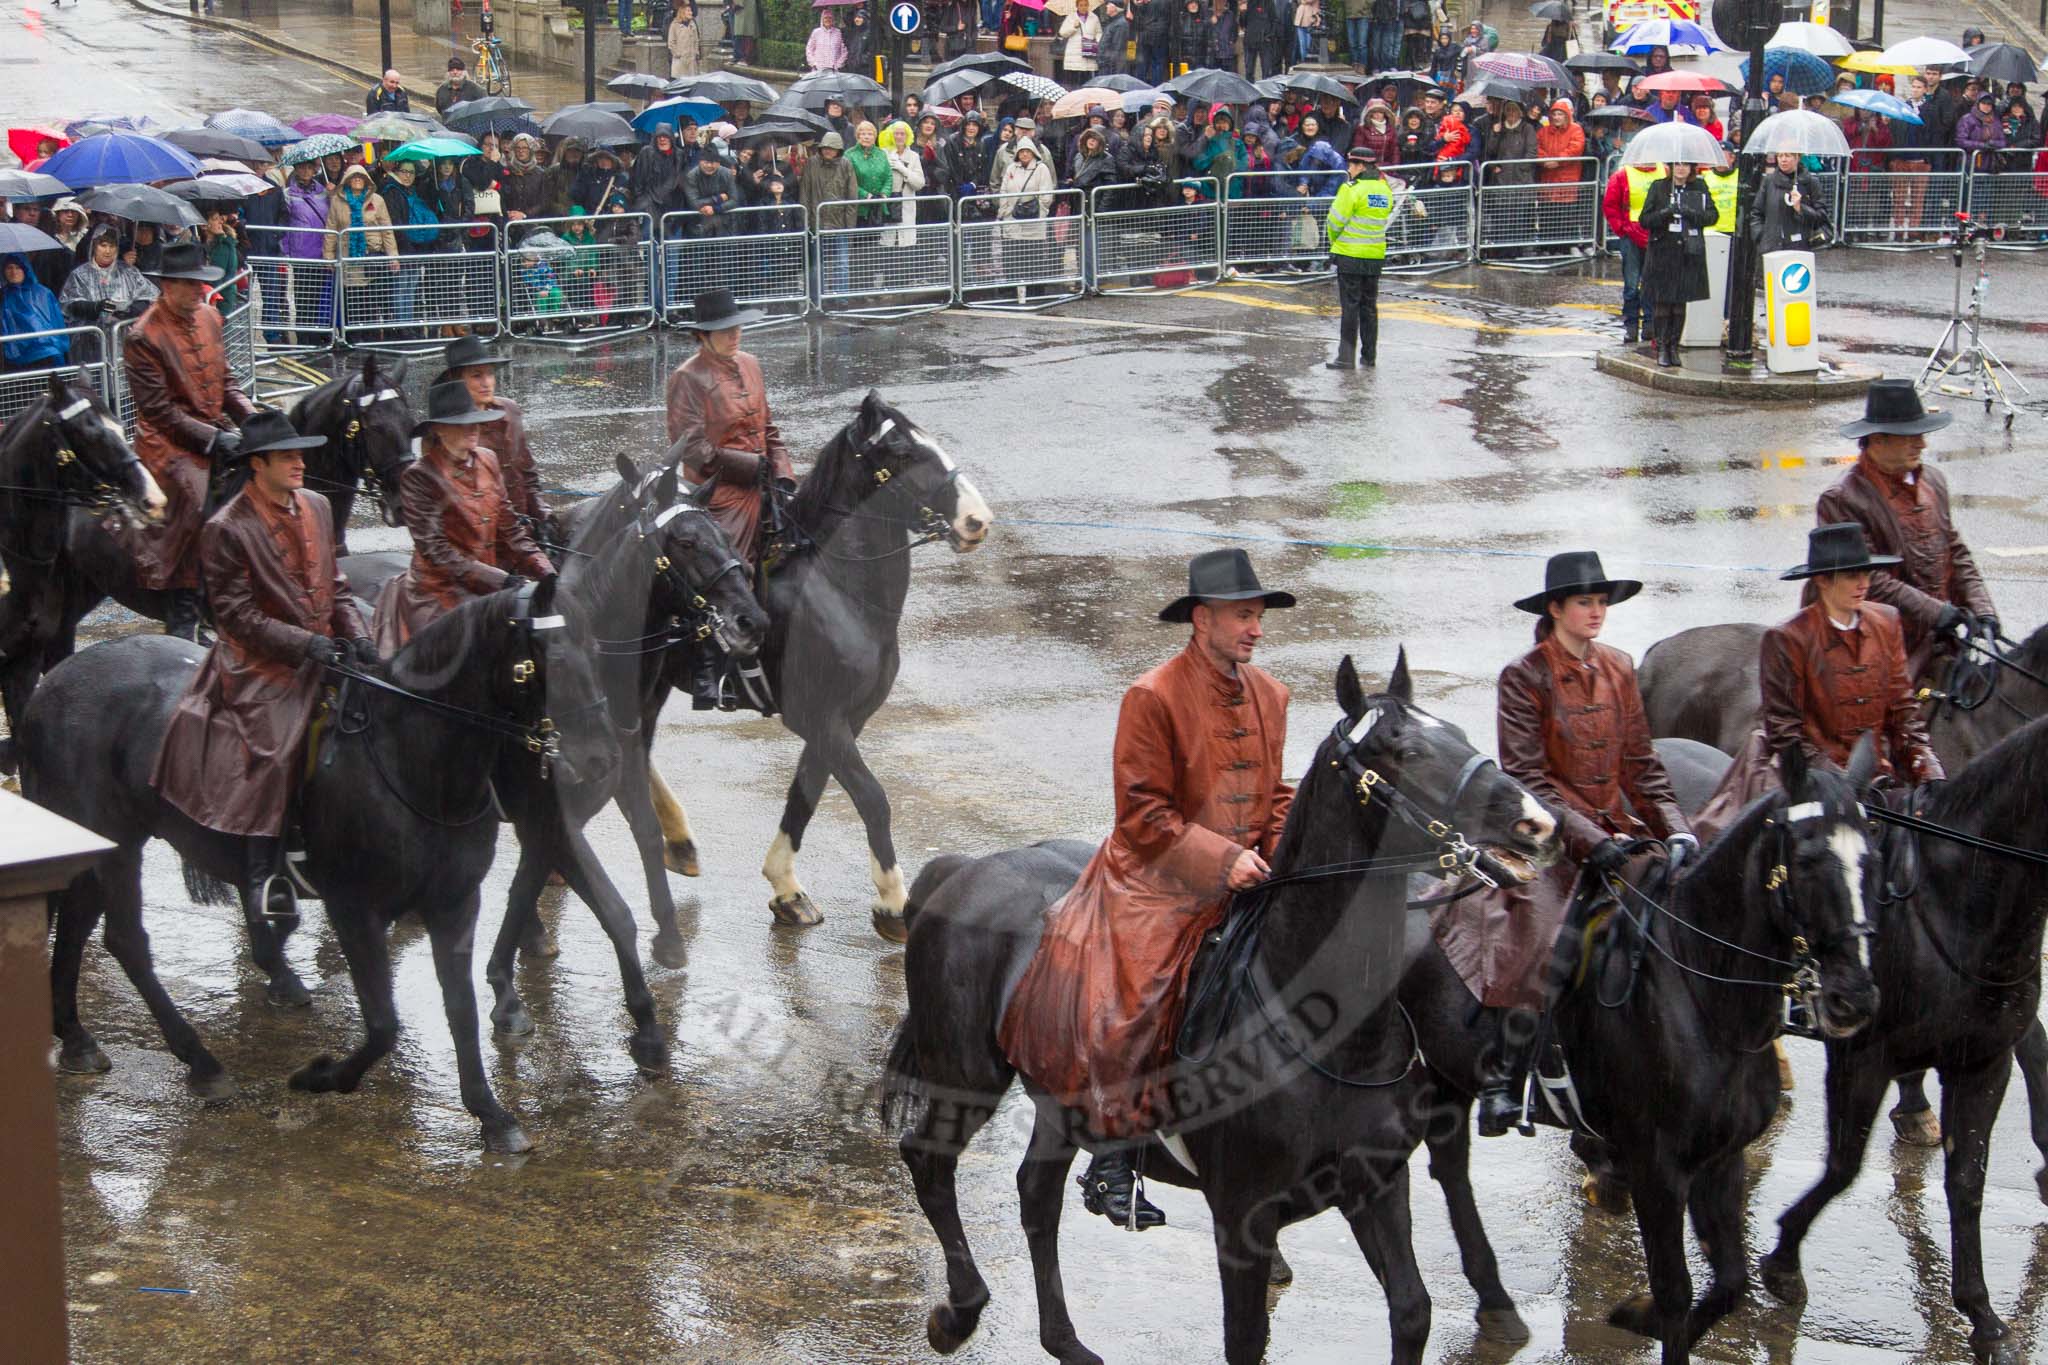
(1031, 262)
(762, 255)
(1894, 198)
(121, 396)
(1276, 218)
(84, 358)
(413, 302)
(1431, 228)
(884, 268)
(298, 292)
(238, 329)
(2014, 199)
(562, 290)
(1545, 223)
(1160, 249)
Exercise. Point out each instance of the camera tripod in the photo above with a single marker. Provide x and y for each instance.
(1961, 365)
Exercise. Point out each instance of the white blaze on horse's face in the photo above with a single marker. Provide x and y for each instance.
(153, 503)
(971, 515)
(1850, 849)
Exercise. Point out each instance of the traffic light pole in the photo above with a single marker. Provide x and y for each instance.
(1743, 262)
(384, 34)
(590, 13)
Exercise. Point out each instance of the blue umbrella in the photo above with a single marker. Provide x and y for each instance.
(1666, 33)
(1804, 73)
(1877, 102)
(255, 125)
(120, 159)
(668, 111)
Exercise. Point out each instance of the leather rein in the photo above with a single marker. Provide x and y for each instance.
(99, 495)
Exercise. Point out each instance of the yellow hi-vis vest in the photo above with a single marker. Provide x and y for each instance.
(1723, 185)
(1640, 178)
(1357, 222)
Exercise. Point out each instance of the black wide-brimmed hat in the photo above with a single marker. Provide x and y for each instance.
(1838, 547)
(1892, 407)
(465, 351)
(1222, 576)
(714, 310)
(1575, 572)
(185, 261)
(449, 405)
(268, 429)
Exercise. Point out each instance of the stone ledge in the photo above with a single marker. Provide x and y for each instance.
(1703, 373)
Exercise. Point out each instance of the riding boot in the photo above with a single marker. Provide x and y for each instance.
(181, 614)
(270, 884)
(1505, 1071)
(1107, 1188)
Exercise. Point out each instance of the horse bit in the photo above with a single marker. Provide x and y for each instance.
(1456, 855)
(931, 525)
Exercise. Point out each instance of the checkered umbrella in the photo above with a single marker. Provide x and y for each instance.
(1031, 83)
(1517, 67)
(317, 146)
(255, 125)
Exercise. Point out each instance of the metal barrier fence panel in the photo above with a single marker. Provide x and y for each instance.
(1160, 248)
(296, 273)
(1431, 228)
(2016, 200)
(1546, 222)
(84, 358)
(603, 282)
(883, 267)
(1895, 197)
(238, 327)
(1004, 258)
(117, 377)
(1831, 173)
(1277, 218)
(411, 301)
(762, 255)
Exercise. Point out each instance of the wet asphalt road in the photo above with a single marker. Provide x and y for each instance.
(748, 1208)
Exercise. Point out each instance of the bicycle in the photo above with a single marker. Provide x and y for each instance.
(493, 71)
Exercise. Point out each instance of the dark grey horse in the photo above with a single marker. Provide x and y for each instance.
(1314, 1096)
(368, 425)
(397, 811)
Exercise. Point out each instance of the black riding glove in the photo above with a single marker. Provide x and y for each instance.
(1952, 621)
(226, 444)
(1607, 859)
(326, 652)
(363, 652)
(1987, 626)
(513, 581)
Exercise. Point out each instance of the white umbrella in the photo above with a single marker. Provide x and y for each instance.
(1674, 141)
(1924, 52)
(1818, 39)
(1797, 130)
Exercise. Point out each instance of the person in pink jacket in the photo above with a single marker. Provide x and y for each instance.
(826, 48)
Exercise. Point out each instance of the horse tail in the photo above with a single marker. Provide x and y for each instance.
(206, 889)
(902, 1081)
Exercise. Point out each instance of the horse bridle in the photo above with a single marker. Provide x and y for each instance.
(1455, 855)
(354, 450)
(96, 495)
(1806, 955)
(701, 620)
(931, 525)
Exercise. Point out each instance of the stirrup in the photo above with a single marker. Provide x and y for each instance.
(291, 898)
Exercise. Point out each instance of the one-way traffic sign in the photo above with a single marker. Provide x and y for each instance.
(905, 18)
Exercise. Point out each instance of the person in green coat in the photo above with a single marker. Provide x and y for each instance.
(218, 237)
(870, 171)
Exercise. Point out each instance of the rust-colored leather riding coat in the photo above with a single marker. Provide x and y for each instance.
(465, 542)
(177, 371)
(234, 738)
(1911, 520)
(1824, 689)
(1198, 770)
(507, 438)
(718, 412)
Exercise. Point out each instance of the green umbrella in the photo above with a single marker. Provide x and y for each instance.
(430, 149)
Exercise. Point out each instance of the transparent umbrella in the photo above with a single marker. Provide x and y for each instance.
(1674, 141)
(1925, 52)
(1797, 130)
(1818, 39)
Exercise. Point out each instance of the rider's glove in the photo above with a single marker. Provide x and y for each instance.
(1952, 621)
(1606, 860)
(326, 652)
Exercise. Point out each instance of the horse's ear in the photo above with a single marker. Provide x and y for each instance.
(396, 374)
(665, 487)
(627, 470)
(1792, 771)
(57, 388)
(544, 595)
(1863, 763)
(1350, 695)
(370, 370)
(871, 410)
(1401, 687)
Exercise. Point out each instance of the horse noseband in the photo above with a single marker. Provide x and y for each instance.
(931, 523)
(1455, 854)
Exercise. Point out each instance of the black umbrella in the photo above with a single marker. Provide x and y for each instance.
(476, 115)
(814, 91)
(141, 204)
(1601, 61)
(639, 84)
(2003, 62)
(1556, 10)
(30, 185)
(21, 237)
(214, 142)
(586, 123)
(1214, 87)
(995, 63)
(775, 132)
(1615, 113)
(1312, 83)
(1119, 82)
(212, 190)
(723, 87)
(952, 85)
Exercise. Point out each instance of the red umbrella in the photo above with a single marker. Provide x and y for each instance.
(23, 141)
(1692, 82)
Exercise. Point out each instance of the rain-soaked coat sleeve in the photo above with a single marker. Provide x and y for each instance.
(1148, 816)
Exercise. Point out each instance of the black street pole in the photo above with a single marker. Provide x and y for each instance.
(384, 32)
(1743, 261)
(897, 52)
(591, 9)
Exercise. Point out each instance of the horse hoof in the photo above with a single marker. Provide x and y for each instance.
(1609, 1194)
(680, 857)
(1917, 1127)
(216, 1087)
(315, 1077)
(513, 1021)
(940, 1331)
(1503, 1325)
(89, 1060)
(288, 992)
(1279, 1272)
(798, 911)
(1637, 1313)
(509, 1140)
(1786, 1283)
(670, 951)
(650, 1055)
(1996, 1347)
(892, 925)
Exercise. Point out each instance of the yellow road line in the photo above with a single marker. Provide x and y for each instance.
(1394, 311)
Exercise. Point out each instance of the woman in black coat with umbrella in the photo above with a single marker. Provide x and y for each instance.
(1676, 214)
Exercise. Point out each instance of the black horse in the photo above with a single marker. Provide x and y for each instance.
(1315, 1110)
(63, 459)
(1667, 1039)
(1959, 965)
(397, 812)
(878, 489)
(368, 425)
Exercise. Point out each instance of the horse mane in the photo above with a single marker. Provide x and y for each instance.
(818, 491)
(432, 658)
(605, 523)
(2014, 768)
(2032, 652)
(14, 436)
